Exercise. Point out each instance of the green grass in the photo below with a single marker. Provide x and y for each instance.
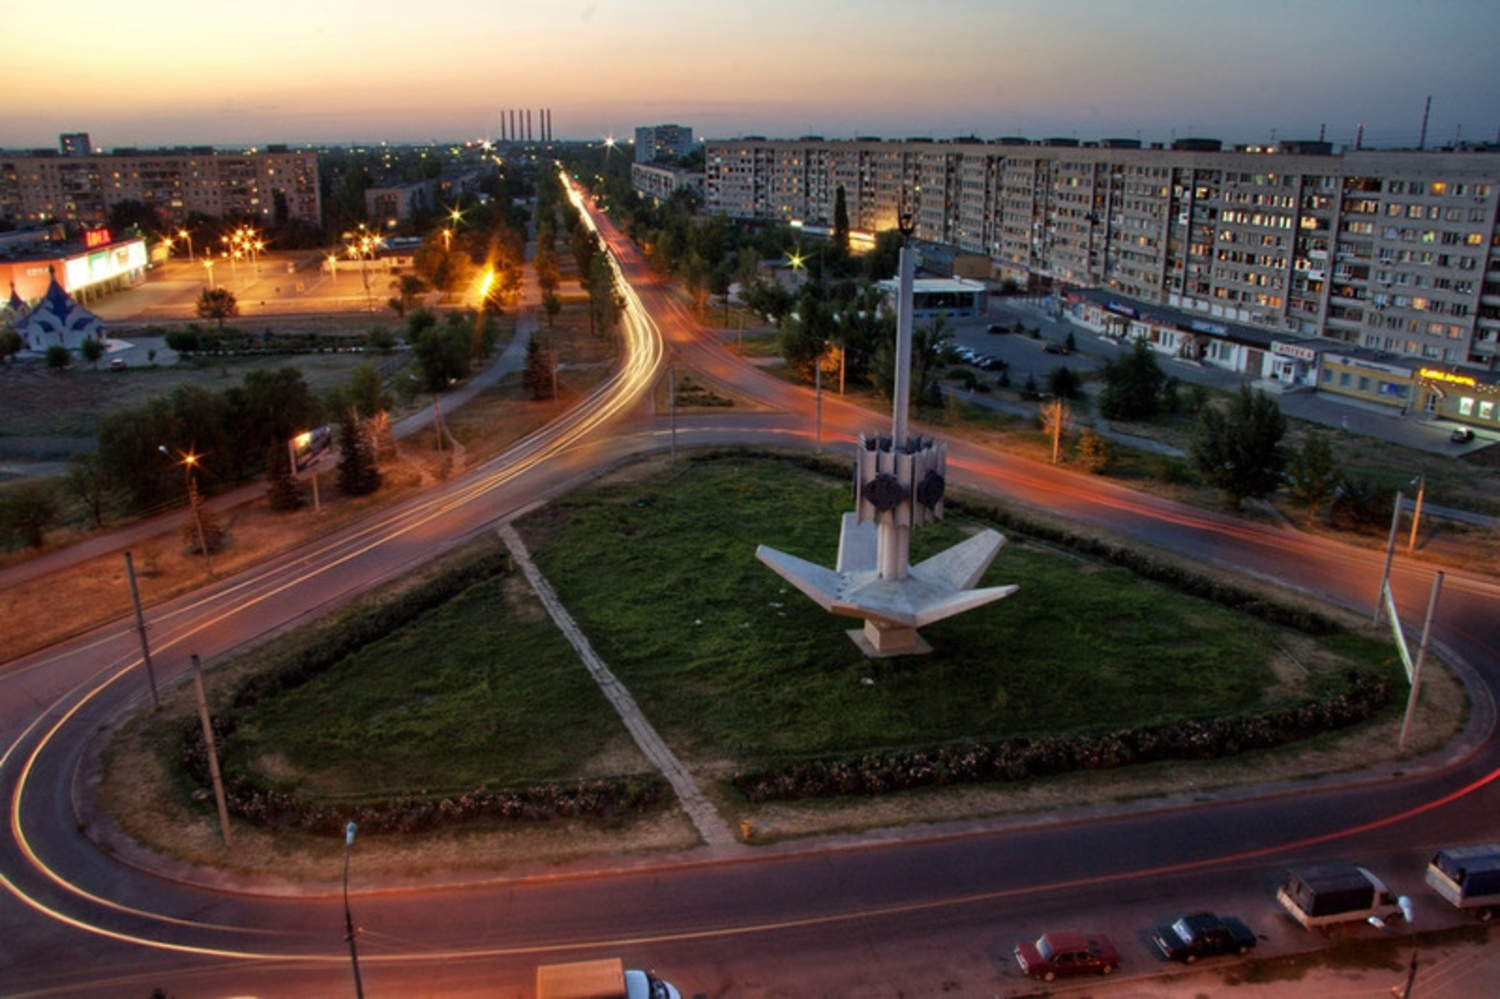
(730, 663)
(482, 691)
(724, 655)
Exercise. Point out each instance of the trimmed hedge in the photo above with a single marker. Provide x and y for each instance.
(1020, 758)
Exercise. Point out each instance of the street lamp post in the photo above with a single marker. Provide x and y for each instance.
(189, 237)
(208, 266)
(349, 934)
(189, 462)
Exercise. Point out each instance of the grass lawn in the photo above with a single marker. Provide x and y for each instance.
(730, 662)
(734, 666)
(482, 691)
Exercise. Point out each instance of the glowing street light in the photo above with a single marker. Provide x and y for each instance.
(184, 234)
(208, 266)
(189, 462)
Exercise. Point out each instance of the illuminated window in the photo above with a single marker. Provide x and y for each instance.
(1486, 410)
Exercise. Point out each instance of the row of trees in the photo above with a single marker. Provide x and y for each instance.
(1239, 445)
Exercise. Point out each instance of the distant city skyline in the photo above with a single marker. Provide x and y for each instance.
(343, 73)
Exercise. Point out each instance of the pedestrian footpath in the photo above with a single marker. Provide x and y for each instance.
(710, 825)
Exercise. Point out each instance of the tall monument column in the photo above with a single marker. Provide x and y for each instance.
(899, 482)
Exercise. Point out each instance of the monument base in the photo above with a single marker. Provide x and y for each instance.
(882, 640)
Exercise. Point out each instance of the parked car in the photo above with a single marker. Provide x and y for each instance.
(1067, 952)
(1461, 436)
(997, 328)
(993, 363)
(117, 364)
(1056, 348)
(1202, 934)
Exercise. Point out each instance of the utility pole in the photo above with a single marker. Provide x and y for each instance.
(213, 753)
(140, 627)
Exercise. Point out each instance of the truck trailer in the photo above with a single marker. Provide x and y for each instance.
(1322, 895)
(1468, 877)
(604, 979)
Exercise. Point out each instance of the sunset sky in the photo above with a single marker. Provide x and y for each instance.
(314, 71)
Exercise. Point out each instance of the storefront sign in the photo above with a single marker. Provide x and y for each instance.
(1291, 350)
(1433, 375)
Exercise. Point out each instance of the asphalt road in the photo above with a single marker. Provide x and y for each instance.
(915, 912)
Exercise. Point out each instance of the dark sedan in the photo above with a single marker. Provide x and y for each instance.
(1203, 934)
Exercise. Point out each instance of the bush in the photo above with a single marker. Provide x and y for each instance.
(1024, 757)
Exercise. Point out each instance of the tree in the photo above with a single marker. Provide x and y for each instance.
(88, 484)
(58, 357)
(1360, 504)
(442, 355)
(551, 305)
(365, 391)
(92, 350)
(218, 304)
(1311, 477)
(1055, 418)
(605, 303)
(358, 473)
(1237, 448)
(1132, 385)
(408, 289)
(283, 494)
(380, 340)
(537, 376)
(882, 261)
(11, 344)
(269, 407)
(547, 275)
(27, 510)
(695, 278)
(1093, 452)
(1064, 382)
(840, 223)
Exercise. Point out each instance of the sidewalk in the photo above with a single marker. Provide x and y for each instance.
(121, 537)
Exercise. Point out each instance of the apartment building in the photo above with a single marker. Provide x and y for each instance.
(1390, 251)
(655, 141)
(660, 182)
(270, 186)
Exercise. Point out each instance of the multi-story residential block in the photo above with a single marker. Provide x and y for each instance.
(270, 186)
(1391, 251)
(661, 182)
(653, 142)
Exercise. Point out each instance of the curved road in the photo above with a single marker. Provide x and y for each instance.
(922, 915)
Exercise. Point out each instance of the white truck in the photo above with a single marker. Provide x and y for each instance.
(1321, 895)
(1468, 877)
(605, 979)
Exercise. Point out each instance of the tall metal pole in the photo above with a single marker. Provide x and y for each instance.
(1390, 554)
(213, 752)
(818, 403)
(140, 627)
(1416, 670)
(349, 934)
(904, 311)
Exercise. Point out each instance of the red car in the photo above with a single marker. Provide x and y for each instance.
(1067, 952)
